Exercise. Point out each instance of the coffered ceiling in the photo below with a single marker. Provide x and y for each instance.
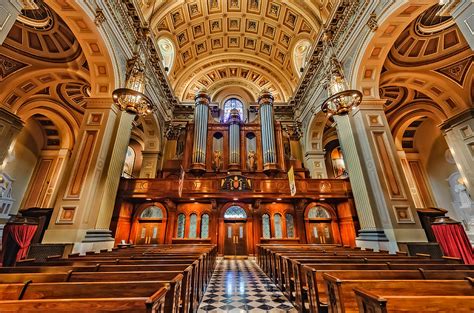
(245, 43)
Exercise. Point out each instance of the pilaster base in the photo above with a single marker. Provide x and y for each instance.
(375, 239)
(95, 240)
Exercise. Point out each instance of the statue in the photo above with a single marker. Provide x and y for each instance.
(252, 160)
(217, 160)
(464, 197)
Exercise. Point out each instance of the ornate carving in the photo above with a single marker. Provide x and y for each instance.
(99, 17)
(372, 22)
(9, 66)
(458, 70)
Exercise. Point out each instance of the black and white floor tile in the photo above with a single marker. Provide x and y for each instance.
(239, 286)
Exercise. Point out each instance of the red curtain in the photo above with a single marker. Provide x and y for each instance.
(453, 241)
(22, 234)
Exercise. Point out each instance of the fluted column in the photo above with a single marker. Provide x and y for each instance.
(86, 198)
(10, 126)
(234, 140)
(265, 101)
(9, 11)
(201, 115)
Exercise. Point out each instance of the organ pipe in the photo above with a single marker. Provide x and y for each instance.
(265, 102)
(201, 115)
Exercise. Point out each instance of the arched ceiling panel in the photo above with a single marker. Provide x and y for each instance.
(262, 32)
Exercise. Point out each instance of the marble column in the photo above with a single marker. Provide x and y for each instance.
(9, 11)
(267, 124)
(201, 115)
(85, 202)
(315, 162)
(386, 211)
(459, 134)
(10, 127)
(149, 164)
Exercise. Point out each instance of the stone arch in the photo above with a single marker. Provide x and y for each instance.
(367, 68)
(104, 65)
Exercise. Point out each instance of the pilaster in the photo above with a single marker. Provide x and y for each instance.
(86, 200)
(149, 164)
(459, 134)
(389, 197)
(315, 162)
(10, 126)
(9, 10)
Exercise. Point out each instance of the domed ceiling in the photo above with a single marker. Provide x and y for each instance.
(245, 43)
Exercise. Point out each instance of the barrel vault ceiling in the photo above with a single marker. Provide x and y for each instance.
(246, 44)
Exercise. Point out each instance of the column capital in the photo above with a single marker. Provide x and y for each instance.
(202, 97)
(11, 118)
(100, 103)
(457, 119)
(370, 104)
(314, 153)
(265, 98)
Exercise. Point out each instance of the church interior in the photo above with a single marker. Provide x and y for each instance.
(237, 156)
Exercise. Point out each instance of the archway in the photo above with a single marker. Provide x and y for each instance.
(149, 224)
(235, 230)
(321, 224)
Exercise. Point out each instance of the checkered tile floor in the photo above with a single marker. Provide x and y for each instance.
(239, 286)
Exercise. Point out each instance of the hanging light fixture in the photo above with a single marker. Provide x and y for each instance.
(131, 99)
(341, 98)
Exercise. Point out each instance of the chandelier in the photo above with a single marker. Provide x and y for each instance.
(131, 99)
(341, 98)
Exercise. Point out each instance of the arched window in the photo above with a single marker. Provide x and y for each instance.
(277, 224)
(233, 103)
(127, 170)
(167, 50)
(300, 52)
(193, 225)
(318, 212)
(152, 212)
(266, 226)
(290, 226)
(235, 212)
(205, 226)
(181, 223)
(338, 164)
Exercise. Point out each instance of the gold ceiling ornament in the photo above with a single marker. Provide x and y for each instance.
(131, 98)
(341, 98)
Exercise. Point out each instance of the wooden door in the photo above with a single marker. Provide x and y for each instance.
(235, 242)
(321, 232)
(148, 233)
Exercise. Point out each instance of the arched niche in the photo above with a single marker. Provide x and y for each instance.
(149, 224)
(321, 224)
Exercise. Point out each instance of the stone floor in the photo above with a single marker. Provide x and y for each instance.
(239, 286)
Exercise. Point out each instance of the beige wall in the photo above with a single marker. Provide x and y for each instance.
(432, 146)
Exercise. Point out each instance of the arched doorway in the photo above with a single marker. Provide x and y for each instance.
(321, 225)
(235, 236)
(149, 225)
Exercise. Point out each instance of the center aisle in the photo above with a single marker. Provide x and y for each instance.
(240, 286)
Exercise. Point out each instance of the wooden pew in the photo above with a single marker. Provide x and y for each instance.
(367, 301)
(342, 298)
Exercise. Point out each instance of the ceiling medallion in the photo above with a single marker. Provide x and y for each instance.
(131, 99)
(341, 99)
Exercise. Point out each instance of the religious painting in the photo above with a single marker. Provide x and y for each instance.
(290, 19)
(193, 9)
(234, 24)
(234, 42)
(253, 5)
(252, 26)
(403, 214)
(183, 38)
(266, 48)
(338, 164)
(274, 10)
(186, 55)
(177, 18)
(198, 31)
(216, 43)
(215, 26)
(285, 39)
(249, 43)
(129, 162)
(269, 31)
(201, 47)
(233, 5)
